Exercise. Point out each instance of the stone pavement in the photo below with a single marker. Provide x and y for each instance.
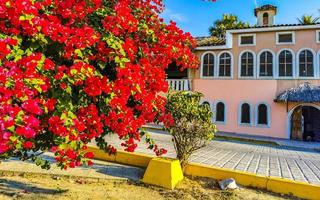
(279, 141)
(263, 160)
(100, 169)
(284, 162)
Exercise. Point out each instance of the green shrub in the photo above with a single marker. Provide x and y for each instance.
(193, 126)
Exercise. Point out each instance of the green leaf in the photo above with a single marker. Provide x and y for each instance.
(79, 53)
(11, 129)
(74, 145)
(22, 18)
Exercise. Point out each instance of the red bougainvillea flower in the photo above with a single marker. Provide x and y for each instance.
(89, 155)
(73, 71)
(27, 145)
(32, 107)
(26, 132)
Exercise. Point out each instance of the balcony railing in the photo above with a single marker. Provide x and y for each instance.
(179, 84)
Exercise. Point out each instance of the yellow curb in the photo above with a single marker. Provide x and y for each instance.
(298, 189)
(163, 172)
(122, 157)
(242, 178)
(273, 184)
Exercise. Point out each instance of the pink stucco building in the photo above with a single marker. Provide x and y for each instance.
(263, 80)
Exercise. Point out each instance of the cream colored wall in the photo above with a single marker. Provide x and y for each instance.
(254, 91)
(271, 15)
(267, 40)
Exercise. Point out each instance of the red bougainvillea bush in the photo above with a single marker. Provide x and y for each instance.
(73, 71)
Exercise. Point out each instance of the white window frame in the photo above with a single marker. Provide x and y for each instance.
(317, 36)
(315, 69)
(246, 35)
(318, 63)
(240, 114)
(268, 125)
(254, 65)
(225, 112)
(284, 33)
(218, 66)
(293, 64)
(201, 65)
(273, 65)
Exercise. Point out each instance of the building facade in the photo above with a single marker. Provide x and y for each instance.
(243, 75)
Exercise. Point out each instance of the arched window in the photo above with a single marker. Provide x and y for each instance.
(247, 64)
(306, 64)
(265, 19)
(245, 114)
(220, 112)
(263, 118)
(319, 60)
(225, 65)
(285, 63)
(206, 103)
(208, 65)
(266, 64)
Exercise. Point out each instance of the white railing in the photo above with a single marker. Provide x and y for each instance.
(179, 84)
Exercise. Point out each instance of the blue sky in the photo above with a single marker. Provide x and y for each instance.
(195, 16)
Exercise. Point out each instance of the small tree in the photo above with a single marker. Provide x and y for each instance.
(308, 19)
(228, 21)
(192, 127)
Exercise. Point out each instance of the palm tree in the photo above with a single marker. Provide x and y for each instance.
(228, 21)
(308, 19)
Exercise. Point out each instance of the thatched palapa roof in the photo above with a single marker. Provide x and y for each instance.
(304, 93)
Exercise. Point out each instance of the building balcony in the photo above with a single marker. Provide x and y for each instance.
(179, 84)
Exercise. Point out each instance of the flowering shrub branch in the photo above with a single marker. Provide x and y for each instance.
(73, 71)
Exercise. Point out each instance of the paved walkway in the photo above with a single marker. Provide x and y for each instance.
(279, 141)
(100, 169)
(263, 160)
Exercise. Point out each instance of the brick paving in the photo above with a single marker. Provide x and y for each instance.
(287, 163)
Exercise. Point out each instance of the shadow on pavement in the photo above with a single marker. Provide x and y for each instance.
(11, 188)
(132, 173)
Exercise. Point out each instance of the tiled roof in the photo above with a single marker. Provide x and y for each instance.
(276, 25)
(265, 7)
(210, 41)
(214, 41)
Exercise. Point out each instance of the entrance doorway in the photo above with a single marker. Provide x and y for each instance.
(305, 124)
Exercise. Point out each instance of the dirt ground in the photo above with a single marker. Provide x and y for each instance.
(36, 187)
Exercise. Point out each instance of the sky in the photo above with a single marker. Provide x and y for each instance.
(195, 16)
